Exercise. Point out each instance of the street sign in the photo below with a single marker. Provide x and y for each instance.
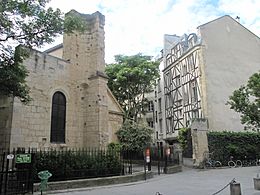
(147, 154)
(23, 158)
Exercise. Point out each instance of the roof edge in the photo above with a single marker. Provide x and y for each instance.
(214, 20)
(115, 100)
(231, 19)
(54, 48)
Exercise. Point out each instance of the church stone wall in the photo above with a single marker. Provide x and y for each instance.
(115, 117)
(31, 123)
(80, 77)
(96, 131)
(115, 122)
(57, 53)
(86, 52)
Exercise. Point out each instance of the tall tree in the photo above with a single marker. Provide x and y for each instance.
(29, 24)
(130, 78)
(246, 100)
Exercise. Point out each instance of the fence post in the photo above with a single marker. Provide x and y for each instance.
(159, 158)
(166, 160)
(144, 165)
(2, 170)
(6, 172)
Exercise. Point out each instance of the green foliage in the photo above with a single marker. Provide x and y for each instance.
(78, 164)
(12, 76)
(30, 24)
(129, 79)
(236, 144)
(113, 146)
(184, 138)
(133, 136)
(73, 21)
(246, 100)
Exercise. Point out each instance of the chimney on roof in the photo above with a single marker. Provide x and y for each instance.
(238, 19)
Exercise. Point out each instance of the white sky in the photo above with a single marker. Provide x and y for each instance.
(134, 26)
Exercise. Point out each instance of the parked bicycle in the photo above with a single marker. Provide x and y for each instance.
(234, 163)
(249, 162)
(257, 162)
(209, 162)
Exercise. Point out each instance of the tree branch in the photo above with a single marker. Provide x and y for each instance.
(23, 36)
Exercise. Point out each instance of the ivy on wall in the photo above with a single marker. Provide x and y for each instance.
(185, 141)
(240, 145)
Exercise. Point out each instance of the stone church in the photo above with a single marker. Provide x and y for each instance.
(72, 105)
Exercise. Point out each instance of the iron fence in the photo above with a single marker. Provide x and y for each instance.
(167, 156)
(15, 177)
(83, 163)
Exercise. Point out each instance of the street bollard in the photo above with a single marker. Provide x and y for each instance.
(44, 176)
(235, 188)
(257, 182)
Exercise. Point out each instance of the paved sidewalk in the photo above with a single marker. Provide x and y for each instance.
(188, 182)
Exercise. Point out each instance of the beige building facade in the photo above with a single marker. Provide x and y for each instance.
(72, 105)
(200, 72)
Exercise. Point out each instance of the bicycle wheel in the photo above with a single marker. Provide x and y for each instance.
(251, 163)
(231, 164)
(218, 164)
(207, 165)
(248, 164)
(244, 163)
(239, 163)
(257, 162)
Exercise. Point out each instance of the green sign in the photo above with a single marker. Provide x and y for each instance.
(23, 158)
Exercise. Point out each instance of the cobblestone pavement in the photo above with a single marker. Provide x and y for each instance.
(188, 182)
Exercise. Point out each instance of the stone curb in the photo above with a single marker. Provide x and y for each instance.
(78, 185)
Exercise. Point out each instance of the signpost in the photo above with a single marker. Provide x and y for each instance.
(10, 156)
(23, 158)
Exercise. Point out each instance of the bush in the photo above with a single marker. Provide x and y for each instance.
(115, 147)
(78, 163)
(240, 145)
(134, 136)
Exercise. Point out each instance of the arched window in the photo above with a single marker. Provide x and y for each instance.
(58, 118)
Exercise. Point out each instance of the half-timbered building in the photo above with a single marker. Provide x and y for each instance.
(200, 72)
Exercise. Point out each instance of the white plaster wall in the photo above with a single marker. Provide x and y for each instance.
(231, 55)
(161, 95)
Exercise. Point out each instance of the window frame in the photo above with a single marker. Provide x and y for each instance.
(58, 118)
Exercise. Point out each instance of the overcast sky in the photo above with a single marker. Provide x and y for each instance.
(134, 26)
